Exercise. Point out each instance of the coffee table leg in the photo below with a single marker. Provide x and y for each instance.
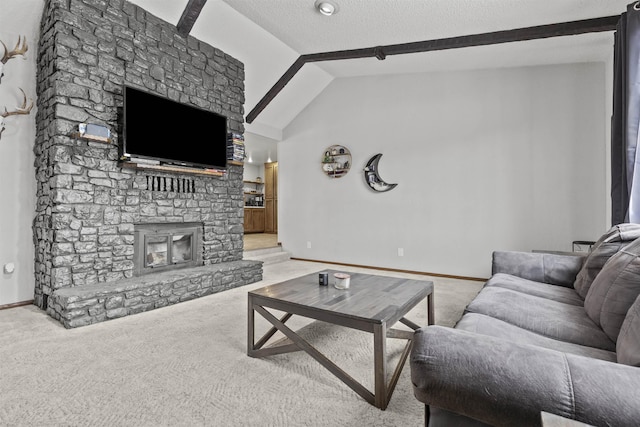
(431, 317)
(250, 327)
(257, 349)
(380, 364)
(300, 344)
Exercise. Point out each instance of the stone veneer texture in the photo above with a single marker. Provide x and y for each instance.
(87, 204)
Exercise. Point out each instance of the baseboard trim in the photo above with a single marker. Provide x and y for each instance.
(397, 270)
(16, 304)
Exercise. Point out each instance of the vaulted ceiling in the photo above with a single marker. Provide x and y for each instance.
(269, 36)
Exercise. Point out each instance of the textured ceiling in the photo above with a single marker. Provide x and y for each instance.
(369, 23)
(269, 35)
(365, 23)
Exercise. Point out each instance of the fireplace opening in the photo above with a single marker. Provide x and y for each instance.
(159, 247)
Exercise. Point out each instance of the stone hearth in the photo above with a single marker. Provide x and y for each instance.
(95, 303)
(88, 204)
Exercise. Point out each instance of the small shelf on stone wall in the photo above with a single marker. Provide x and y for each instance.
(93, 132)
(92, 138)
(172, 169)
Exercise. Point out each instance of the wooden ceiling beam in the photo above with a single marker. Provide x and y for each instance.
(189, 16)
(571, 28)
(522, 34)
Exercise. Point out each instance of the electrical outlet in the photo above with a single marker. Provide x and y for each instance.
(308, 245)
(9, 268)
(400, 251)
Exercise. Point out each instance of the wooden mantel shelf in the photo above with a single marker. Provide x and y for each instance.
(173, 169)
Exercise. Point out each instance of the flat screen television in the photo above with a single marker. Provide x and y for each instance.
(159, 129)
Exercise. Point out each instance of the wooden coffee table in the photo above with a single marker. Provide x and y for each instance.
(372, 304)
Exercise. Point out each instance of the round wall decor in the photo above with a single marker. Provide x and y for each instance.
(336, 161)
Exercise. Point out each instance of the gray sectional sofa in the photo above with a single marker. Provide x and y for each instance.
(547, 332)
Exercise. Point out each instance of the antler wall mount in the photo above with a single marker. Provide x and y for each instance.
(22, 109)
(19, 50)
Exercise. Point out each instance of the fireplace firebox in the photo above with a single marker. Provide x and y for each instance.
(166, 246)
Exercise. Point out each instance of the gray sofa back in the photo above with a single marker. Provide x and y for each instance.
(614, 290)
(607, 245)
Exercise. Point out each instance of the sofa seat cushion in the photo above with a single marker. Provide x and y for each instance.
(504, 383)
(550, 318)
(485, 325)
(607, 245)
(615, 289)
(543, 290)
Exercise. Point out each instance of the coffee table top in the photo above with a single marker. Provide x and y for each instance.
(374, 299)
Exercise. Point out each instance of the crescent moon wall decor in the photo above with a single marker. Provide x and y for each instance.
(372, 177)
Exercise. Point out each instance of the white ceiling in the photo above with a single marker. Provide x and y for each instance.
(269, 35)
(363, 23)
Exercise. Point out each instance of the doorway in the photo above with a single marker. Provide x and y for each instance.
(260, 178)
(265, 234)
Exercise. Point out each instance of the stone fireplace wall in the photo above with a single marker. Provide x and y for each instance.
(87, 202)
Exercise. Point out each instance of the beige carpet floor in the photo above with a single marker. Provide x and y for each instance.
(186, 365)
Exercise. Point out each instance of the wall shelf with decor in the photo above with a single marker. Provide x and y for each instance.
(336, 161)
(253, 193)
(93, 138)
(92, 132)
(235, 149)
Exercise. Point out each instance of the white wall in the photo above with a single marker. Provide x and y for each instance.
(503, 159)
(448, 139)
(253, 171)
(17, 180)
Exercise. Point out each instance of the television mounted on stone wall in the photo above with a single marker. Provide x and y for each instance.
(163, 131)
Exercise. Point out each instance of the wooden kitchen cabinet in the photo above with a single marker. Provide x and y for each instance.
(271, 197)
(254, 220)
(258, 220)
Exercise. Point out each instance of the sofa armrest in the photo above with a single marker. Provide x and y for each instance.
(499, 382)
(539, 267)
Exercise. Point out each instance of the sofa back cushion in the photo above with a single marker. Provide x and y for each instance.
(615, 289)
(628, 346)
(607, 245)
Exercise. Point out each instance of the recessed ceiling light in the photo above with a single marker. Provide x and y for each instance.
(326, 8)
